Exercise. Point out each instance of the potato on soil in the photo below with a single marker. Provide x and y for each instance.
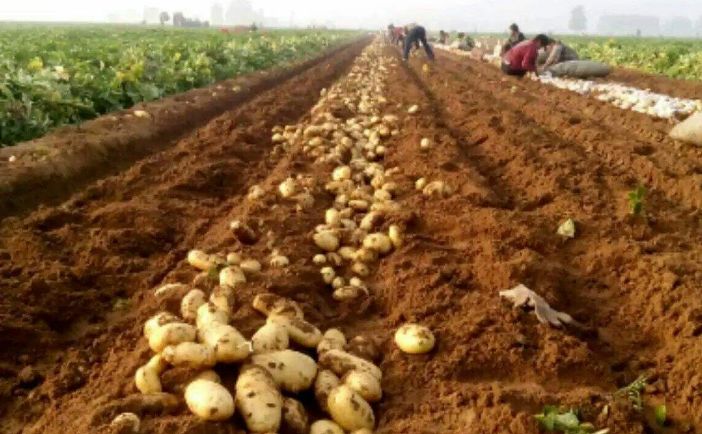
(270, 337)
(364, 348)
(157, 321)
(190, 354)
(299, 330)
(349, 409)
(209, 313)
(201, 260)
(191, 302)
(229, 345)
(378, 242)
(324, 383)
(258, 399)
(295, 420)
(325, 426)
(326, 240)
(349, 293)
(292, 371)
(224, 298)
(268, 303)
(171, 290)
(209, 400)
(414, 339)
(231, 276)
(365, 384)
(340, 362)
(250, 266)
(125, 423)
(171, 334)
(147, 380)
(333, 339)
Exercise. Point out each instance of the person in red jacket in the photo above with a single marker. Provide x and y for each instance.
(521, 58)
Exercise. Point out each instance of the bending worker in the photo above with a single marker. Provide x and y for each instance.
(515, 37)
(415, 34)
(522, 58)
(558, 52)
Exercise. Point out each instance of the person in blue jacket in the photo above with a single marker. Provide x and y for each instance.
(414, 34)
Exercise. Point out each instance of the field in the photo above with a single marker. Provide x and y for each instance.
(54, 76)
(471, 172)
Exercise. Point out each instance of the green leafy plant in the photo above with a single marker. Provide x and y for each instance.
(661, 414)
(553, 419)
(636, 200)
(633, 392)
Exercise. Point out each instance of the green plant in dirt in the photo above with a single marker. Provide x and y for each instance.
(213, 273)
(553, 419)
(636, 200)
(633, 392)
(661, 414)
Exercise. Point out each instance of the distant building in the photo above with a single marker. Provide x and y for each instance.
(217, 14)
(151, 15)
(629, 25)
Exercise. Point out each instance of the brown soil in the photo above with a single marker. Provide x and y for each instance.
(76, 278)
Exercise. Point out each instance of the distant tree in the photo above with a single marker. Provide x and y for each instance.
(578, 20)
(164, 17)
(178, 19)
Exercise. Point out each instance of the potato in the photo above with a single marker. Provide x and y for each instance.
(190, 303)
(349, 409)
(362, 431)
(201, 260)
(292, 371)
(365, 384)
(437, 188)
(361, 269)
(268, 304)
(328, 275)
(332, 339)
(414, 339)
(335, 259)
(126, 423)
(233, 258)
(332, 217)
(209, 313)
(209, 375)
(171, 334)
(325, 426)
(231, 276)
(295, 420)
(157, 321)
(326, 240)
(209, 400)
(324, 383)
(349, 292)
(250, 266)
(319, 259)
(413, 109)
(157, 363)
(340, 362)
(366, 255)
(425, 144)
(299, 330)
(378, 242)
(147, 380)
(270, 337)
(341, 173)
(364, 348)
(258, 399)
(279, 261)
(359, 204)
(229, 345)
(338, 282)
(287, 188)
(170, 290)
(347, 252)
(190, 354)
(420, 183)
(223, 298)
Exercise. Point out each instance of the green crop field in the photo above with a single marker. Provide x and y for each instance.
(57, 75)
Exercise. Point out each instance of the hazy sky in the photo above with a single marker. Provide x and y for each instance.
(482, 15)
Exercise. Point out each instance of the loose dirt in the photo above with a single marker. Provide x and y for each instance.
(76, 278)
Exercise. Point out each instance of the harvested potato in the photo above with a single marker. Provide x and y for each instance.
(413, 109)
(425, 144)
(190, 354)
(338, 282)
(420, 183)
(157, 321)
(340, 362)
(209, 313)
(319, 259)
(295, 420)
(208, 375)
(364, 348)
(191, 302)
(223, 298)
(147, 380)
(332, 217)
(233, 258)
(366, 255)
(335, 259)
(332, 339)
(341, 173)
(325, 426)
(437, 188)
(292, 371)
(395, 235)
(270, 337)
(229, 345)
(326, 240)
(268, 304)
(328, 275)
(361, 269)
(347, 252)
(365, 384)
(231, 276)
(362, 431)
(250, 266)
(349, 409)
(201, 260)
(414, 339)
(299, 330)
(209, 400)
(258, 399)
(126, 423)
(324, 383)
(287, 188)
(171, 334)
(279, 261)
(170, 290)
(349, 292)
(378, 242)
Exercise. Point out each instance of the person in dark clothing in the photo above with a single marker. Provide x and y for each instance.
(522, 58)
(515, 37)
(415, 34)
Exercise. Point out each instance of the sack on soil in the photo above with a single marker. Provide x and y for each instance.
(580, 69)
(689, 130)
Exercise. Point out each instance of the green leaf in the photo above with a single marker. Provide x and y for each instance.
(661, 413)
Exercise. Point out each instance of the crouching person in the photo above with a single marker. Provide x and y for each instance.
(521, 58)
(415, 34)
